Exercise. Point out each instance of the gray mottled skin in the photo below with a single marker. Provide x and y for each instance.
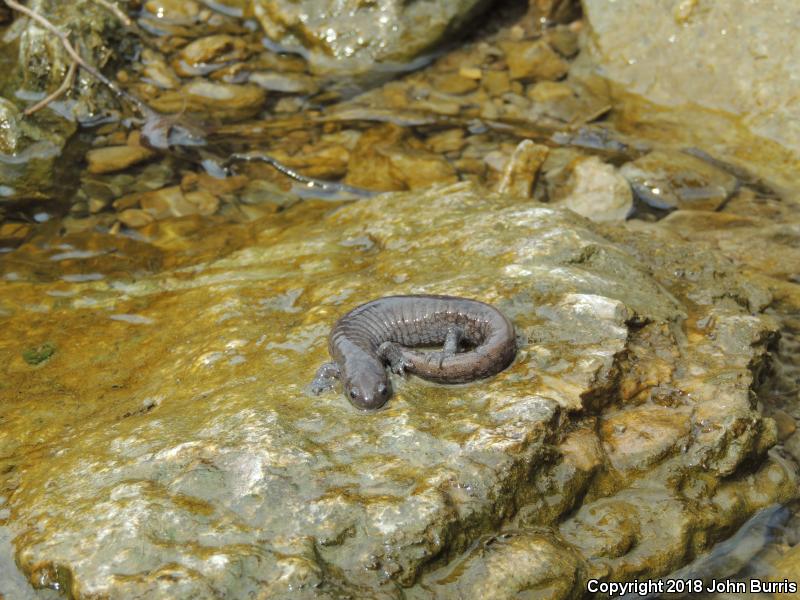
(384, 330)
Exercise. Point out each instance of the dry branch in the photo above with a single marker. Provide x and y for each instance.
(62, 89)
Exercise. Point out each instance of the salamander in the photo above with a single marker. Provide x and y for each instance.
(477, 341)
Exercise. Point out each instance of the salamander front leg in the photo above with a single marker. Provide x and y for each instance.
(325, 378)
(393, 354)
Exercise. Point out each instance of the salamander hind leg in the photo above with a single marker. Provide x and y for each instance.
(325, 378)
(452, 341)
(393, 354)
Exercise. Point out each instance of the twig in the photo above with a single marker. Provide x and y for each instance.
(143, 109)
(329, 187)
(125, 19)
(62, 89)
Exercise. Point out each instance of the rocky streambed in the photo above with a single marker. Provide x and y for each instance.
(164, 310)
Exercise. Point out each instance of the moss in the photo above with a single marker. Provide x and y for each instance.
(39, 354)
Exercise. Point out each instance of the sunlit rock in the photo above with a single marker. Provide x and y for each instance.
(116, 158)
(190, 461)
(734, 94)
(595, 190)
(359, 36)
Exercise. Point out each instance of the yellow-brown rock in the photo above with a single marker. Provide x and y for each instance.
(384, 159)
(116, 158)
(533, 60)
(222, 100)
(194, 58)
(519, 176)
(135, 217)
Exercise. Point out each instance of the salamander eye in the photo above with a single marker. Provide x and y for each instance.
(353, 394)
(382, 389)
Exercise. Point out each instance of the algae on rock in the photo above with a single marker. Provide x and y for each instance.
(191, 462)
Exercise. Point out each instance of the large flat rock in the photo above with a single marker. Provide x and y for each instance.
(719, 75)
(169, 447)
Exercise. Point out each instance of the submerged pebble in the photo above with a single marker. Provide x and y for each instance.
(675, 180)
(596, 190)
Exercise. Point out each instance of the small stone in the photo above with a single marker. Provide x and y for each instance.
(596, 190)
(285, 83)
(668, 180)
(786, 424)
(550, 92)
(116, 158)
(166, 202)
(496, 82)
(496, 160)
(115, 138)
(563, 40)
(470, 72)
(517, 33)
(519, 176)
(223, 100)
(558, 100)
(454, 83)
(79, 208)
(323, 160)
(13, 233)
(157, 72)
(10, 129)
(97, 204)
(474, 166)
(383, 159)
(154, 176)
(135, 217)
(289, 105)
(195, 58)
(533, 60)
(173, 10)
(450, 140)
(205, 203)
(127, 201)
(134, 138)
(218, 187)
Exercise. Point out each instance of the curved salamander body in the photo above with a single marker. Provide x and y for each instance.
(384, 331)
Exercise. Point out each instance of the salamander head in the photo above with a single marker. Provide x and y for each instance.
(367, 389)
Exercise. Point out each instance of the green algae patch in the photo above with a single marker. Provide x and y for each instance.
(184, 443)
(39, 354)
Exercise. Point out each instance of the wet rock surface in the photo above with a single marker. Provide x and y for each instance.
(727, 95)
(672, 180)
(205, 468)
(29, 146)
(356, 37)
